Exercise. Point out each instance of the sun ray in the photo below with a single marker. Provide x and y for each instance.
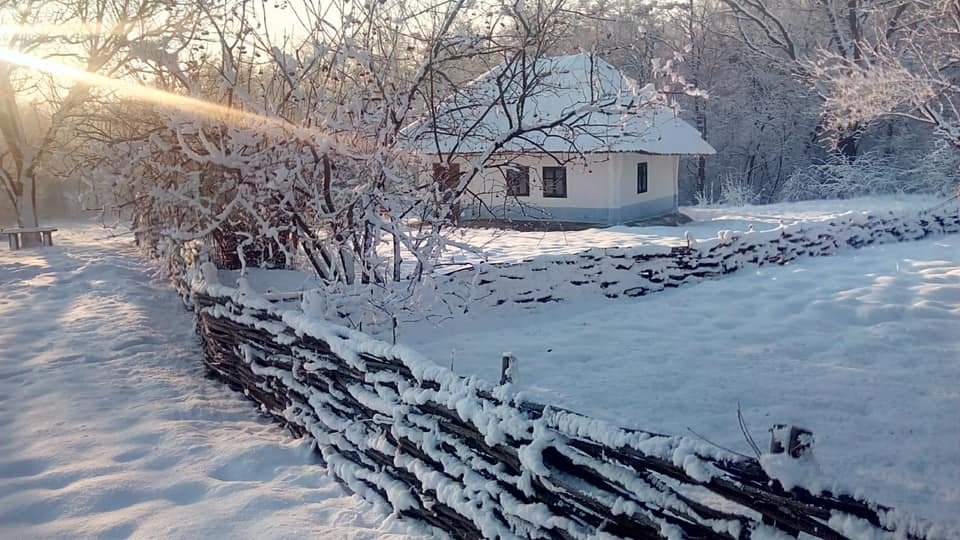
(149, 94)
(54, 30)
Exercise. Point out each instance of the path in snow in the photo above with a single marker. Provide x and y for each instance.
(862, 347)
(109, 429)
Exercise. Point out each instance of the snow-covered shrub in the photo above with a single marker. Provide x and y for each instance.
(732, 188)
(935, 172)
(838, 178)
(703, 198)
(737, 190)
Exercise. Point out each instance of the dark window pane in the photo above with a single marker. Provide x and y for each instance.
(518, 181)
(447, 176)
(555, 182)
(641, 178)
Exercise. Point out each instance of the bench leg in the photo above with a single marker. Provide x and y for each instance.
(14, 241)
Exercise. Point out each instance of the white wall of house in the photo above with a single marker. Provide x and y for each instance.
(603, 190)
(661, 195)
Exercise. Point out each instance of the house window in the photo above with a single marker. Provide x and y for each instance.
(555, 182)
(641, 178)
(448, 176)
(518, 181)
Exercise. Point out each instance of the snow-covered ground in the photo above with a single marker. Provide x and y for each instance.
(109, 429)
(863, 348)
(512, 246)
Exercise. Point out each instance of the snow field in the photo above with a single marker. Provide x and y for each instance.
(109, 428)
(863, 348)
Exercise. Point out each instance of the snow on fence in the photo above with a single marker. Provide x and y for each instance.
(474, 460)
(631, 272)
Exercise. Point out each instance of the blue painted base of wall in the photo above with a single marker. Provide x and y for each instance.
(602, 216)
(648, 209)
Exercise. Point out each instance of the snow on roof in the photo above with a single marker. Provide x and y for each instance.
(575, 103)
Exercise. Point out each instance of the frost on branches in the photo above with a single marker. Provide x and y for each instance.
(909, 70)
(302, 156)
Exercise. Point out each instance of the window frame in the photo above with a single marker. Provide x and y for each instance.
(554, 178)
(518, 171)
(643, 178)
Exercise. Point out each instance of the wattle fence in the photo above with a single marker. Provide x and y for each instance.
(630, 272)
(471, 459)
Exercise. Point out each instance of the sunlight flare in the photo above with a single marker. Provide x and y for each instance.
(144, 93)
(55, 30)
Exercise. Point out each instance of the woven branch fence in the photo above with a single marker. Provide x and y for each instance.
(627, 272)
(471, 459)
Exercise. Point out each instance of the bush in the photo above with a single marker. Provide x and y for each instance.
(874, 174)
(736, 189)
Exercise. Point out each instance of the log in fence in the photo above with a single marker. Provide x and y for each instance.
(473, 460)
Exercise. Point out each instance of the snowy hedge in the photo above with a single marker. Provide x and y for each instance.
(618, 272)
(475, 460)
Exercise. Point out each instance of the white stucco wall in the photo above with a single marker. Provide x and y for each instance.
(603, 190)
(588, 185)
(661, 195)
(661, 177)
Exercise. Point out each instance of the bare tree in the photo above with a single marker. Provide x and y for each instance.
(321, 158)
(791, 33)
(911, 73)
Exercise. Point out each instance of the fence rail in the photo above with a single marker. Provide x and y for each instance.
(636, 271)
(473, 460)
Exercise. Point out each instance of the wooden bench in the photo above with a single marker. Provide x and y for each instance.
(28, 237)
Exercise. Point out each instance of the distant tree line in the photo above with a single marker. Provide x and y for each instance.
(798, 93)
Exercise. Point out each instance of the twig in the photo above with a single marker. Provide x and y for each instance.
(746, 432)
(711, 443)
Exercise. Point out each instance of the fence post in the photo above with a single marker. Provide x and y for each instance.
(508, 368)
(795, 441)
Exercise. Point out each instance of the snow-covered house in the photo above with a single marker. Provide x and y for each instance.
(570, 138)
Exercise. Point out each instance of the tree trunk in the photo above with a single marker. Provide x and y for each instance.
(26, 207)
(848, 145)
(397, 261)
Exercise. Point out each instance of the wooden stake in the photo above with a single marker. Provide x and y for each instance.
(795, 441)
(508, 368)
